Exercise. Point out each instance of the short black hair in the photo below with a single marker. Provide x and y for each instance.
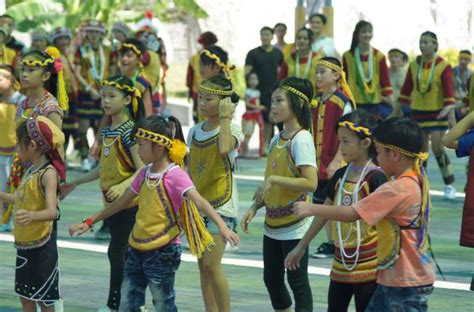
(280, 24)
(266, 28)
(137, 43)
(217, 50)
(401, 132)
(323, 17)
(465, 52)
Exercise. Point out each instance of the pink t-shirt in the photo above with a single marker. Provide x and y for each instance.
(176, 181)
(399, 200)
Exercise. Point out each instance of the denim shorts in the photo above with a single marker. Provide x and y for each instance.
(155, 269)
(214, 229)
(408, 299)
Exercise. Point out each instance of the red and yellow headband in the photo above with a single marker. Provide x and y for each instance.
(176, 148)
(54, 58)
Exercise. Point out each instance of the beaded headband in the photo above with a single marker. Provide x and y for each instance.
(177, 149)
(216, 91)
(419, 157)
(133, 47)
(227, 69)
(33, 63)
(345, 87)
(154, 137)
(297, 92)
(132, 90)
(465, 55)
(359, 129)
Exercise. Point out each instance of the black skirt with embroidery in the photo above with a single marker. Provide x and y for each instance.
(37, 272)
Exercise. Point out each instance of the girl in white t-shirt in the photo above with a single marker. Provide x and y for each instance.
(290, 176)
(213, 147)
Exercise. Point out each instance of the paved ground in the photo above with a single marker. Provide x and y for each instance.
(84, 274)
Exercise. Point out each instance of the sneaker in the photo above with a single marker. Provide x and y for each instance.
(7, 227)
(449, 192)
(86, 164)
(105, 308)
(102, 234)
(325, 250)
(143, 309)
(230, 248)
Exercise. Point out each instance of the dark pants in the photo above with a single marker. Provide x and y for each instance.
(274, 254)
(120, 226)
(340, 295)
(408, 299)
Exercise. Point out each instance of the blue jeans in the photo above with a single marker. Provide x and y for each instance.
(212, 227)
(406, 299)
(155, 269)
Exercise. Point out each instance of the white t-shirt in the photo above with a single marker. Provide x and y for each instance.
(304, 154)
(326, 44)
(229, 209)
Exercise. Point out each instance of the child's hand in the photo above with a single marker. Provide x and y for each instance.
(114, 192)
(247, 218)
(261, 108)
(292, 260)
(445, 111)
(95, 95)
(226, 107)
(302, 209)
(65, 189)
(23, 217)
(230, 236)
(78, 229)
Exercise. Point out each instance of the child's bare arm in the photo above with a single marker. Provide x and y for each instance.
(450, 140)
(203, 205)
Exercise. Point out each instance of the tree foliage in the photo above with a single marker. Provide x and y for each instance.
(49, 14)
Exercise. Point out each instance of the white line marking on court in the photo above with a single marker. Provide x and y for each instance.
(260, 178)
(230, 261)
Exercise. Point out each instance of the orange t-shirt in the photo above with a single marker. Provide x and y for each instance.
(399, 200)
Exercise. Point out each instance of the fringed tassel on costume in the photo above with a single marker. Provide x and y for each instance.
(199, 238)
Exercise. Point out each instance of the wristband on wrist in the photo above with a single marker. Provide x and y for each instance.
(89, 222)
(225, 116)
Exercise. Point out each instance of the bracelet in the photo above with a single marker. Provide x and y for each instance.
(225, 117)
(89, 222)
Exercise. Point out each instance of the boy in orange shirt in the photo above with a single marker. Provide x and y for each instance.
(401, 211)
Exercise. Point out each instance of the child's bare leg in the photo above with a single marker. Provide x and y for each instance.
(45, 308)
(28, 305)
(217, 296)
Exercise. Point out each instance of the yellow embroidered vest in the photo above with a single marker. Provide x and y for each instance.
(366, 268)
(7, 56)
(152, 71)
(279, 200)
(434, 99)
(311, 74)
(115, 166)
(7, 120)
(388, 252)
(197, 79)
(210, 172)
(30, 196)
(372, 95)
(156, 224)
